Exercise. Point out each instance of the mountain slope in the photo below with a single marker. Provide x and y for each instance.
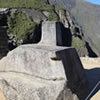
(87, 15)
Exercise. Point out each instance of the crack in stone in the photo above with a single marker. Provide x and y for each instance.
(53, 79)
(7, 88)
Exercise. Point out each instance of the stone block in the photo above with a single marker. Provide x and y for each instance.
(35, 60)
(51, 33)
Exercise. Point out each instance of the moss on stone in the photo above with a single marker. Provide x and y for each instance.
(77, 43)
(36, 4)
(53, 16)
(57, 8)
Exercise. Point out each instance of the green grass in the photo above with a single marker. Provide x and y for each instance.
(36, 4)
(20, 26)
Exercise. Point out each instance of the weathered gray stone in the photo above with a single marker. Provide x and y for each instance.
(17, 86)
(36, 60)
(49, 63)
(51, 33)
(43, 72)
(67, 94)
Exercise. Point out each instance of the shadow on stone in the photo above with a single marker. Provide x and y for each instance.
(90, 51)
(75, 73)
(93, 76)
(66, 36)
(35, 37)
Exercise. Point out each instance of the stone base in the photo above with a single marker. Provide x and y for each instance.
(47, 63)
(17, 86)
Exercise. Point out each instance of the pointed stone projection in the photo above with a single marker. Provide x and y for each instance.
(43, 71)
(51, 33)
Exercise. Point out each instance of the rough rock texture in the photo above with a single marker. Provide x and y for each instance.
(66, 19)
(18, 86)
(24, 56)
(43, 71)
(46, 63)
(67, 27)
(63, 34)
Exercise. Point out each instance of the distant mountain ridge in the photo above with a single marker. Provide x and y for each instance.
(87, 15)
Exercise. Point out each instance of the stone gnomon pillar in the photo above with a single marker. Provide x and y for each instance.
(57, 71)
(51, 33)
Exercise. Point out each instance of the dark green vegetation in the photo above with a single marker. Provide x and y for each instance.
(77, 43)
(52, 16)
(36, 4)
(20, 26)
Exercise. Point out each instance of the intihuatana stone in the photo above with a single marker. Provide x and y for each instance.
(43, 71)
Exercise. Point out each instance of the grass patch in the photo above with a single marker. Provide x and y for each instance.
(20, 26)
(36, 4)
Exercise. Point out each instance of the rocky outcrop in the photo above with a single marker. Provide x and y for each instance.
(86, 15)
(35, 15)
(43, 71)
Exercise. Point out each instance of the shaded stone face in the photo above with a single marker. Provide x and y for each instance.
(51, 33)
(3, 37)
(43, 71)
(3, 41)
